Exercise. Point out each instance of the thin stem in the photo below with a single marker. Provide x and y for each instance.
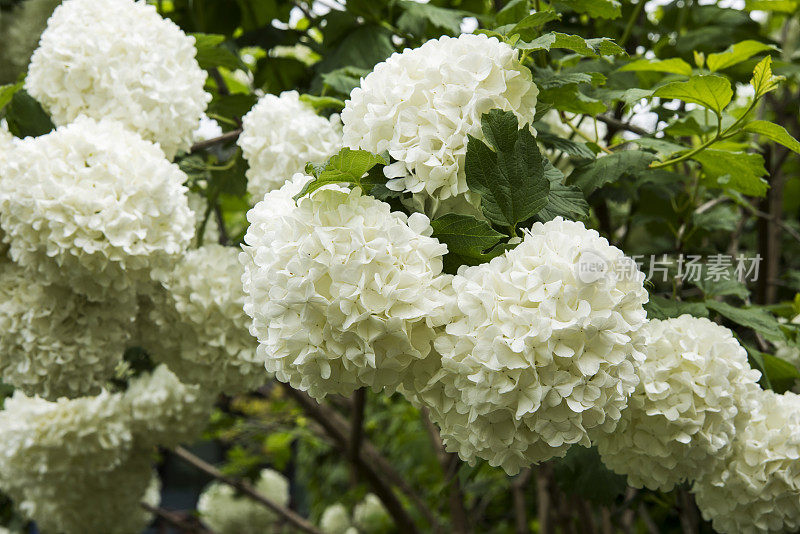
(520, 506)
(290, 516)
(357, 428)
(233, 135)
(177, 520)
(637, 11)
(580, 133)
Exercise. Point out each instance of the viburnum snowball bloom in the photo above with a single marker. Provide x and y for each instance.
(371, 516)
(680, 419)
(540, 350)
(336, 520)
(93, 206)
(279, 136)
(340, 288)
(757, 489)
(56, 343)
(199, 327)
(163, 411)
(421, 104)
(118, 59)
(228, 513)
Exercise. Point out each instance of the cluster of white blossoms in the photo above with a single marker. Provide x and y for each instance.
(420, 105)
(225, 512)
(279, 136)
(54, 342)
(197, 324)
(94, 206)
(133, 67)
(369, 517)
(757, 489)
(681, 418)
(340, 288)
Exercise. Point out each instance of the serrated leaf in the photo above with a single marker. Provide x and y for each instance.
(774, 132)
(673, 66)
(547, 79)
(570, 98)
(344, 80)
(509, 176)
(609, 169)
(735, 54)
(322, 102)
(710, 91)
(585, 47)
(571, 148)
(604, 9)
(563, 200)
(512, 12)
(467, 237)
(763, 81)
(664, 308)
(211, 52)
(734, 170)
(756, 319)
(347, 167)
(534, 21)
(417, 16)
(26, 117)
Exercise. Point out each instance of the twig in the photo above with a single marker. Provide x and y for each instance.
(449, 463)
(543, 506)
(620, 125)
(687, 512)
(177, 520)
(370, 463)
(233, 135)
(520, 506)
(357, 428)
(290, 516)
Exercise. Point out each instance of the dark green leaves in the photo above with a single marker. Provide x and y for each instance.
(346, 167)
(575, 43)
(610, 168)
(757, 319)
(26, 117)
(211, 52)
(712, 92)
(7, 92)
(739, 171)
(508, 173)
(605, 9)
(468, 239)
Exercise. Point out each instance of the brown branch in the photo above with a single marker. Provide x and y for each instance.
(371, 463)
(185, 525)
(687, 511)
(357, 428)
(449, 463)
(543, 505)
(233, 135)
(288, 515)
(620, 125)
(520, 506)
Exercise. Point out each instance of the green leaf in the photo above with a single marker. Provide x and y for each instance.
(26, 117)
(509, 176)
(585, 47)
(533, 22)
(664, 308)
(563, 200)
(712, 92)
(548, 79)
(774, 132)
(570, 98)
(416, 17)
(467, 237)
(211, 52)
(604, 9)
(734, 170)
(571, 148)
(7, 92)
(278, 74)
(756, 319)
(609, 169)
(235, 105)
(344, 80)
(735, 54)
(581, 472)
(512, 12)
(782, 375)
(780, 6)
(763, 81)
(673, 66)
(348, 167)
(322, 102)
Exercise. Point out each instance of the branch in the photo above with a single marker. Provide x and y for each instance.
(357, 427)
(177, 520)
(543, 505)
(374, 467)
(288, 515)
(620, 125)
(233, 135)
(520, 507)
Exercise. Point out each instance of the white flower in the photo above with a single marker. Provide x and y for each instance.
(681, 417)
(55, 343)
(207, 129)
(335, 520)
(371, 517)
(757, 489)
(279, 136)
(421, 104)
(198, 327)
(163, 411)
(540, 350)
(93, 206)
(23, 29)
(118, 59)
(228, 513)
(340, 289)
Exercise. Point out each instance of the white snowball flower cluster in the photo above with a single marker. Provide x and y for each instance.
(421, 104)
(279, 136)
(757, 490)
(198, 327)
(55, 343)
(118, 59)
(371, 516)
(536, 356)
(681, 418)
(163, 411)
(225, 512)
(340, 288)
(94, 206)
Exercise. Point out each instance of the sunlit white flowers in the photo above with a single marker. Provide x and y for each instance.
(757, 490)
(694, 383)
(340, 289)
(279, 136)
(421, 104)
(197, 325)
(118, 59)
(537, 356)
(93, 206)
